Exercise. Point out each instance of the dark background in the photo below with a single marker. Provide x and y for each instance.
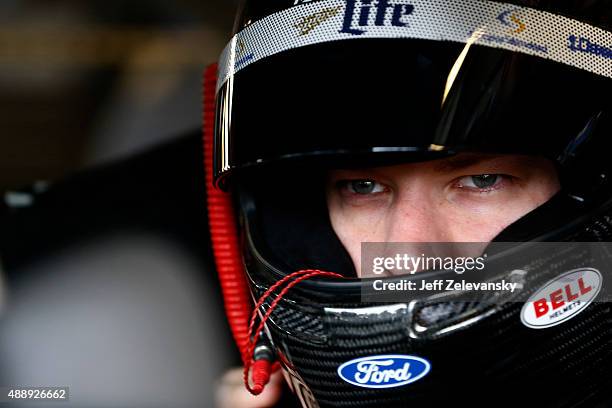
(85, 81)
(106, 280)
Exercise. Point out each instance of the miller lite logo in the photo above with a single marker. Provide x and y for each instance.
(306, 24)
(386, 371)
(561, 299)
(361, 14)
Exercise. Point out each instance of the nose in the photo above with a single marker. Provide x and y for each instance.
(416, 224)
(417, 217)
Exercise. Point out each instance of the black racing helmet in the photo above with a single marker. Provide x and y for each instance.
(308, 86)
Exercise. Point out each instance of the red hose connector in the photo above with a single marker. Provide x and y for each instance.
(254, 334)
(260, 374)
(223, 232)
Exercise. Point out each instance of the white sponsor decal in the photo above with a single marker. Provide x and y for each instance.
(562, 298)
(488, 23)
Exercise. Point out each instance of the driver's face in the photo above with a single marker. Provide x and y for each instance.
(465, 198)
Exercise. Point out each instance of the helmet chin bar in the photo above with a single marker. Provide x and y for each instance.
(322, 324)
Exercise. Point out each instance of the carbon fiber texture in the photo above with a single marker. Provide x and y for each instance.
(496, 361)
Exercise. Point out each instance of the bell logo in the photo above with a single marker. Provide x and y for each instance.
(359, 13)
(561, 299)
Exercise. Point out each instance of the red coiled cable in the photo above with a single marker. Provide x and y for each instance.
(224, 238)
(223, 232)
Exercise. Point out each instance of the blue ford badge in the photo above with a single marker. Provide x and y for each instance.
(384, 371)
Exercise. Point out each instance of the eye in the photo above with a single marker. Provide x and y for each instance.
(481, 181)
(363, 187)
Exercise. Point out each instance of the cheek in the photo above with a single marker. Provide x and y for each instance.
(354, 226)
(350, 234)
(482, 222)
(544, 189)
(479, 229)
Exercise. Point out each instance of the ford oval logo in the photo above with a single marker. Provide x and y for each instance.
(384, 371)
